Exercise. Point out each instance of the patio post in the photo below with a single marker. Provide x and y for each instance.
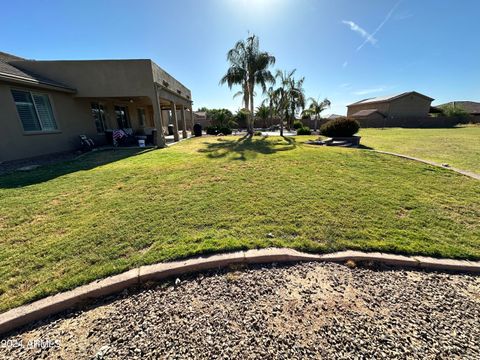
(184, 123)
(175, 121)
(192, 118)
(157, 118)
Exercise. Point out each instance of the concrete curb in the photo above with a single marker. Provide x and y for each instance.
(459, 171)
(51, 305)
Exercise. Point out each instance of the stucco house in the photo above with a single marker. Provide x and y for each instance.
(46, 105)
(404, 105)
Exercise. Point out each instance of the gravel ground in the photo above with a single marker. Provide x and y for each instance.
(309, 310)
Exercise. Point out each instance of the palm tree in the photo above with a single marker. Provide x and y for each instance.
(248, 67)
(263, 112)
(296, 97)
(316, 107)
(289, 96)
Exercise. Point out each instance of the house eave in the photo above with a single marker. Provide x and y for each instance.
(26, 81)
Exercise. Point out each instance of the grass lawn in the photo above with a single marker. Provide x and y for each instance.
(459, 147)
(65, 225)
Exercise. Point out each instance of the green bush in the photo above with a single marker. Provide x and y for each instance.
(215, 130)
(304, 131)
(297, 125)
(257, 133)
(211, 130)
(224, 130)
(341, 127)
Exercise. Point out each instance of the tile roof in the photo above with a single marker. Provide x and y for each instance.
(13, 72)
(387, 98)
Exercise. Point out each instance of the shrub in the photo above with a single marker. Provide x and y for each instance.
(297, 125)
(215, 130)
(304, 131)
(257, 133)
(211, 130)
(341, 127)
(455, 111)
(225, 130)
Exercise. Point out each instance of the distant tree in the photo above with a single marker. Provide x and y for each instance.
(315, 109)
(221, 118)
(248, 67)
(241, 117)
(452, 110)
(263, 112)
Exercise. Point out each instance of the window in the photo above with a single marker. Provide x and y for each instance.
(141, 116)
(98, 113)
(34, 110)
(121, 113)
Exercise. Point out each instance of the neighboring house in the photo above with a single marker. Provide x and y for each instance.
(334, 116)
(471, 107)
(405, 105)
(46, 105)
(200, 117)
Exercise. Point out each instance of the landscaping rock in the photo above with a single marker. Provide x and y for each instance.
(309, 310)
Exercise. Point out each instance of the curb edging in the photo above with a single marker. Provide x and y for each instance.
(432, 163)
(57, 303)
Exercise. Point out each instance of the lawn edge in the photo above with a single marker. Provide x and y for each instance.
(51, 305)
(470, 174)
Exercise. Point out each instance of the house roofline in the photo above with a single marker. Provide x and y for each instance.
(391, 98)
(28, 81)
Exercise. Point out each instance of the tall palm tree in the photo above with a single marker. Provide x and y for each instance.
(316, 107)
(248, 68)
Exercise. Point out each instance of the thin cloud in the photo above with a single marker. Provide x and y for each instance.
(369, 91)
(363, 33)
(345, 63)
(379, 27)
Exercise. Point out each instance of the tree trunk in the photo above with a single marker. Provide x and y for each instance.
(316, 119)
(281, 125)
(252, 89)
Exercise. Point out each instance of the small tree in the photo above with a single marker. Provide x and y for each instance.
(263, 113)
(455, 111)
(221, 118)
(241, 117)
(315, 109)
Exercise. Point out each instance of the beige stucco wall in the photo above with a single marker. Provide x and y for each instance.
(112, 82)
(73, 117)
(165, 79)
(411, 105)
(97, 78)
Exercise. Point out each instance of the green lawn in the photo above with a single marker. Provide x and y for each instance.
(66, 225)
(459, 147)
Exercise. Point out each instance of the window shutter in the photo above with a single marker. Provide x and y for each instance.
(44, 110)
(26, 110)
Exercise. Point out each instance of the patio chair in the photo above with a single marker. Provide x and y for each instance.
(86, 143)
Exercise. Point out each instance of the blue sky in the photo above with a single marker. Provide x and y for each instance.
(346, 49)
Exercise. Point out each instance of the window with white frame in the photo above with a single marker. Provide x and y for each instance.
(34, 110)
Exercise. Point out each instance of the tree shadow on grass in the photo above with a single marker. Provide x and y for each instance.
(247, 147)
(45, 173)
